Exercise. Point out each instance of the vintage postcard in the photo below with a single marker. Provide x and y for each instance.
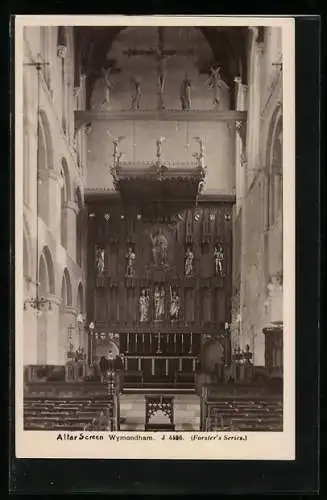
(155, 229)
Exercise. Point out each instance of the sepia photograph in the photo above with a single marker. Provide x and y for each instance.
(152, 232)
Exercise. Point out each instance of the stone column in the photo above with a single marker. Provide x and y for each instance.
(70, 212)
(67, 318)
(54, 202)
(254, 101)
(29, 325)
(53, 331)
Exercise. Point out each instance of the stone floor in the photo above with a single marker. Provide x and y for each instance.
(187, 412)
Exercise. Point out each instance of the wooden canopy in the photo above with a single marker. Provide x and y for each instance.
(158, 183)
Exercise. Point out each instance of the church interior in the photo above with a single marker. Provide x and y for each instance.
(152, 228)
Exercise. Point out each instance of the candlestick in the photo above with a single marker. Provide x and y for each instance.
(127, 343)
(159, 339)
(191, 343)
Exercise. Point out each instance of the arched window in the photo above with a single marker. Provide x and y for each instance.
(66, 289)
(275, 168)
(64, 198)
(79, 228)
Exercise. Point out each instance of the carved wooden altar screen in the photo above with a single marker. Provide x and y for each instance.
(161, 282)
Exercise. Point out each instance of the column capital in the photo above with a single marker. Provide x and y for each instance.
(71, 205)
(54, 175)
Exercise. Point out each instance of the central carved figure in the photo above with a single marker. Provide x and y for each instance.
(159, 248)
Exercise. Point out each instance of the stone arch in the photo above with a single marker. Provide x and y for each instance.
(66, 289)
(46, 254)
(274, 163)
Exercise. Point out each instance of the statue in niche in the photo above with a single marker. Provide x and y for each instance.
(144, 302)
(130, 266)
(174, 304)
(100, 260)
(219, 260)
(106, 74)
(189, 257)
(159, 248)
(159, 303)
(136, 95)
(185, 93)
(215, 82)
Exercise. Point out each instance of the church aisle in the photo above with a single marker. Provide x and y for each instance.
(187, 412)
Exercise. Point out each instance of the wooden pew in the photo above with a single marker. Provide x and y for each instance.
(240, 408)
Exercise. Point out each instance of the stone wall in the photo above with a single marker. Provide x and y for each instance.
(48, 104)
(258, 292)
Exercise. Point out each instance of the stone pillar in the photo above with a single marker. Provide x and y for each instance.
(70, 212)
(67, 319)
(53, 331)
(29, 325)
(275, 299)
(54, 203)
(274, 350)
(254, 102)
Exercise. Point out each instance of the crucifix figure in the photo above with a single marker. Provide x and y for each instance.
(160, 54)
(106, 74)
(216, 83)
